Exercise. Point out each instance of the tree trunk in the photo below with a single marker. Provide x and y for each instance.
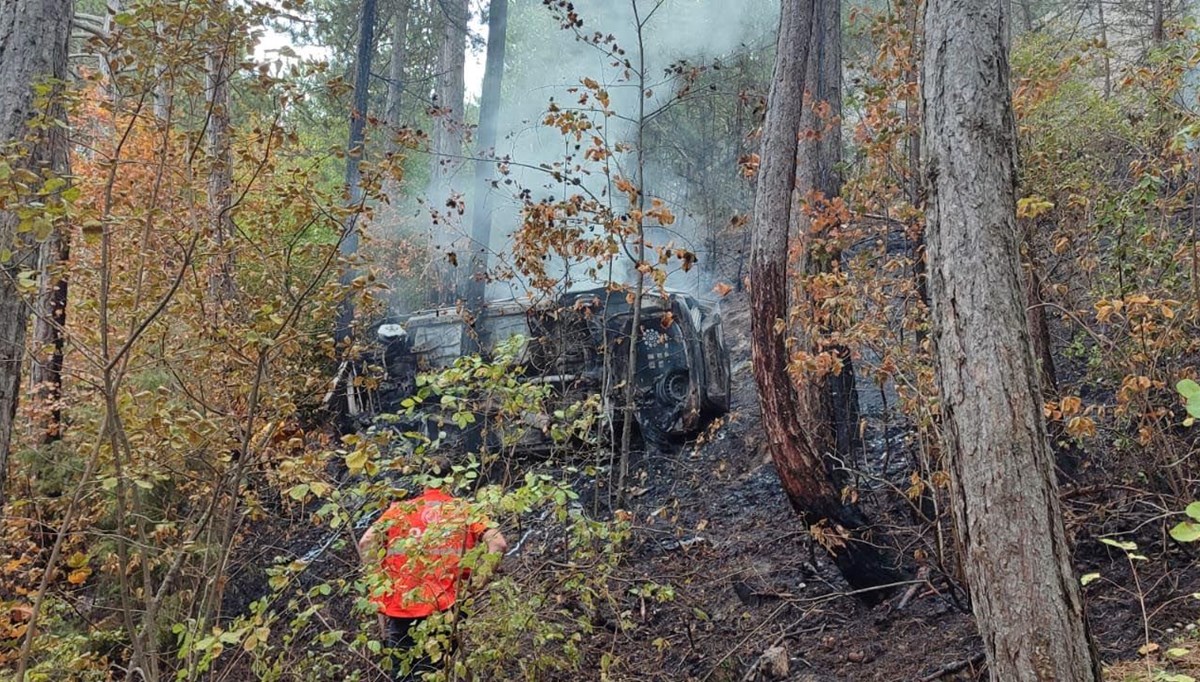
(447, 142)
(50, 318)
(220, 174)
(1158, 31)
(832, 401)
(163, 88)
(1003, 493)
(1105, 52)
(348, 247)
(840, 528)
(916, 232)
(33, 50)
(1039, 330)
(1026, 15)
(395, 90)
(489, 115)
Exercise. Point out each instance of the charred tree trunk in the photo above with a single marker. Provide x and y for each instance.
(489, 115)
(832, 400)
(354, 155)
(1003, 492)
(839, 527)
(33, 51)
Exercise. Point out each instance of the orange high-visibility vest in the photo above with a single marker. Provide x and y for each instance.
(426, 538)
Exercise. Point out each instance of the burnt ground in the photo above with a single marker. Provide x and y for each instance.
(711, 521)
(716, 525)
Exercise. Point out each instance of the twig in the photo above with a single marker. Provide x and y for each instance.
(951, 668)
(922, 574)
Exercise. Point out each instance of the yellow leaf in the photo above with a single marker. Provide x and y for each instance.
(79, 575)
(1032, 207)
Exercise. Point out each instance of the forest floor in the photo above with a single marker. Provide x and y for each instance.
(715, 524)
(711, 520)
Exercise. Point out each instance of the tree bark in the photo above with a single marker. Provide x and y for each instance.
(447, 138)
(50, 317)
(1039, 330)
(832, 400)
(33, 51)
(915, 235)
(1003, 494)
(348, 247)
(1026, 15)
(489, 115)
(1158, 31)
(395, 90)
(839, 527)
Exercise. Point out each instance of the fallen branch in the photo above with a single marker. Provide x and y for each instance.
(922, 574)
(951, 668)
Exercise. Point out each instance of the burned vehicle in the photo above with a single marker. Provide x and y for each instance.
(579, 345)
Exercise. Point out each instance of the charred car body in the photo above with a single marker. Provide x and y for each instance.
(579, 345)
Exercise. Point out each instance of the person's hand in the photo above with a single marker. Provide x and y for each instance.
(495, 541)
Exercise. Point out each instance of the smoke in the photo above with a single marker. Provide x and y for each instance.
(547, 63)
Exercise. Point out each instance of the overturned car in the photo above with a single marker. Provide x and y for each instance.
(579, 345)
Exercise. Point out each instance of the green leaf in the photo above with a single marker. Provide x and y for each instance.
(1177, 652)
(1187, 388)
(1193, 510)
(1089, 578)
(356, 461)
(298, 492)
(1186, 532)
(1193, 406)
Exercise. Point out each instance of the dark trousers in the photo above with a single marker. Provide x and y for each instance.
(399, 638)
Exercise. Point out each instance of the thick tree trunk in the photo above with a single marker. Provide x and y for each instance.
(840, 528)
(1003, 493)
(832, 401)
(33, 50)
(447, 142)
(489, 115)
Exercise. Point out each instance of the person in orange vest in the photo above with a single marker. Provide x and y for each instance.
(414, 549)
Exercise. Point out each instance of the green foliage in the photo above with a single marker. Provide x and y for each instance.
(526, 622)
(1188, 531)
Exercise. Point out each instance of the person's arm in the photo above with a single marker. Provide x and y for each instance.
(368, 545)
(494, 539)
